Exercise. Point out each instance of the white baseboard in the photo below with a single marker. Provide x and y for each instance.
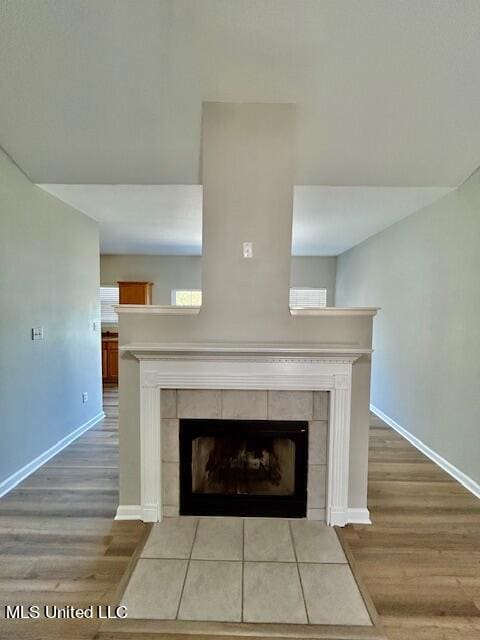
(129, 512)
(358, 516)
(462, 478)
(355, 516)
(17, 477)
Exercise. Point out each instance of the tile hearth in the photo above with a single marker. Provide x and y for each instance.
(244, 570)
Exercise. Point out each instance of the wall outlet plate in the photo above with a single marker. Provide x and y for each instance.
(37, 333)
(84, 397)
(248, 249)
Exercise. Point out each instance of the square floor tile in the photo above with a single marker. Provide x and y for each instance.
(213, 591)
(332, 595)
(316, 542)
(272, 593)
(219, 539)
(171, 538)
(154, 589)
(268, 540)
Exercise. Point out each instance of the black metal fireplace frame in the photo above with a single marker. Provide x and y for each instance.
(294, 506)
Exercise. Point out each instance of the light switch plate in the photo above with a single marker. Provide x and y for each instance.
(37, 333)
(248, 249)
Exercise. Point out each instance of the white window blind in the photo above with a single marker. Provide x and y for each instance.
(108, 298)
(307, 297)
(187, 297)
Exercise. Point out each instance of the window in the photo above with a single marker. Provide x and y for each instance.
(108, 298)
(307, 297)
(187, 297)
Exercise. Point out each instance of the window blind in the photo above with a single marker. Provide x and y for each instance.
(307, 297)
(108, 298)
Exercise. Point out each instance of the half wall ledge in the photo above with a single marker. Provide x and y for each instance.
(171, 310)
(334, 311)
(157, 309)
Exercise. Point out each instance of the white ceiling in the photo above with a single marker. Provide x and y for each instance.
(111, 92)
(95, 94)
(167, 219)
(330, 220)
(158, 219)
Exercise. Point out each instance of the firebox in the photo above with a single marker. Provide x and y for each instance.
(243, 468)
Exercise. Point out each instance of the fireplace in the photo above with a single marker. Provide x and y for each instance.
(245, 382)
(243, 467)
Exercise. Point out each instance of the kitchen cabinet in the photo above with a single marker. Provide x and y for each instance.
(135, 292)
(110, 357)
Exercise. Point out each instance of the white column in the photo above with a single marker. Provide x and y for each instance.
(150, 459)
(339, 450)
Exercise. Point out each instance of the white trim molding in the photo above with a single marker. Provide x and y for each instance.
(17, 477)
(129, 512)
(150, 350)
(157, 309)
(247, 366)
(358, 516)
(164, 310)
(150, 453)
(469, 484)
(334, 311)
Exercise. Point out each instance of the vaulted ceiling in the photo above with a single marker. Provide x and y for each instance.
(111, 92)
(167, 219)
(387, 93)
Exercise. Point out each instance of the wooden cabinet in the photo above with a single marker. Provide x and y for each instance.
(135, 292)
(110, 357)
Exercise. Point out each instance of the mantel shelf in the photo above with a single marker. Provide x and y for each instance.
(152, 349)
(334, 311)
(157, 309)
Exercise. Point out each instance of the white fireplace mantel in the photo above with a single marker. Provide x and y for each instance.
(314, 367)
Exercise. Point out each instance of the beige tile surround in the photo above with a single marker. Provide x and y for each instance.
(246, 405)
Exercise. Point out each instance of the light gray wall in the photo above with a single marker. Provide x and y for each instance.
(315, 271)
(247, 172)
(185, 272)
(424, 272)
(166, 272)
(245, 300)
(49, 276)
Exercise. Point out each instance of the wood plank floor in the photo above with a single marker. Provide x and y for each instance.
(420, 559)
(59, 543)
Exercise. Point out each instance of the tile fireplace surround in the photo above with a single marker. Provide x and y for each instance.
(245, 381)
(234, 404)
